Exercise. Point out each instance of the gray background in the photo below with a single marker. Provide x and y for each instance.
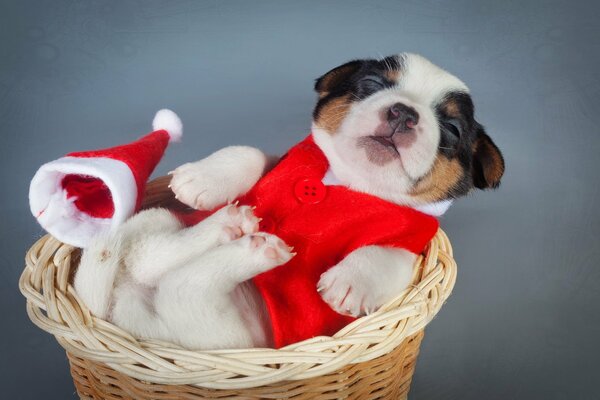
(523, 322)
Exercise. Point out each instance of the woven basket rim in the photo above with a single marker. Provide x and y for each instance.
(53, 305)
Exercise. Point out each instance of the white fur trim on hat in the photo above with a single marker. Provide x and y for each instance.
(60, 217)
(170, 122)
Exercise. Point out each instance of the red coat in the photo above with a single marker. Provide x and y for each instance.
(323, 224)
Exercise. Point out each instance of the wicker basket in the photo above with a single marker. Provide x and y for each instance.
(372, 358)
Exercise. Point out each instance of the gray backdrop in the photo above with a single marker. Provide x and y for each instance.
(523, 322)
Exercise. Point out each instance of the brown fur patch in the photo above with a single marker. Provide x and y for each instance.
(444, 176)
(495, 172)
(451, 109)
(490, 159)
(332, 114)
(392, 75)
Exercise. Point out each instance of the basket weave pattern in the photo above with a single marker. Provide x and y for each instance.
(372, 358)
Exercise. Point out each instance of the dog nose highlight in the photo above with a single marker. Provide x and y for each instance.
(402, 117)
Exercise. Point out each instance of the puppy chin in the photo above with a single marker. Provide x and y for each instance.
(350, 165)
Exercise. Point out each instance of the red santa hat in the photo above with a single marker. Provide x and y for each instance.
(83, 194)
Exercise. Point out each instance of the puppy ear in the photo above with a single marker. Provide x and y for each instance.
(325, 84)
(488, 163)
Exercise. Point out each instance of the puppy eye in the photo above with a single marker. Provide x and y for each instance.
(454, 126)
(372, 81)
(368, 85)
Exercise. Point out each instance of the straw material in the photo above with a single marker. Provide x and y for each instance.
(372, 358)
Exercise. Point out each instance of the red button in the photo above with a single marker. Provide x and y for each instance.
(310, 191)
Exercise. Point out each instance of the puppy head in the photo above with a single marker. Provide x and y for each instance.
(403, 129)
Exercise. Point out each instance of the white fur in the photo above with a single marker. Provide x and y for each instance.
(170, 122)
(425, 81)
(436, 209)
(183, 287)
(191, 286)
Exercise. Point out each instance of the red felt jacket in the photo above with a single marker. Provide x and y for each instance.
(323, 224)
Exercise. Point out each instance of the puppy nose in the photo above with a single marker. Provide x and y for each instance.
(402, 117)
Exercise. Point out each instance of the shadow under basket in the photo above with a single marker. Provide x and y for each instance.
(372, 358)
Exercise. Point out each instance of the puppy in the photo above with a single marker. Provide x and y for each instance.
(386, 133)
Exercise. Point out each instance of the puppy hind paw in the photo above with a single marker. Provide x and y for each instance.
(268, 250)
(237, 221)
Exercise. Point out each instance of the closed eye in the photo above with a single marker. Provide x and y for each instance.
(454, 126)
(372, 81)
(368, 85)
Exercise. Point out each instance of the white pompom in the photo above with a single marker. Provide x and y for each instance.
(170, 122)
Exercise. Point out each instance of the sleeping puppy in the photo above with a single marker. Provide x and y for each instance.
(386, 133)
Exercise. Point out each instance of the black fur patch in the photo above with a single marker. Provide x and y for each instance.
(460, 135)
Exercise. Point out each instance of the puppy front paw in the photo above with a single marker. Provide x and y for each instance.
(198, 186)
(366, 279)
(348, 290)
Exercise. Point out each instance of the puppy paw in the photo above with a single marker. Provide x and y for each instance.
(349, 291)
(198, 186)
(237, 221)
